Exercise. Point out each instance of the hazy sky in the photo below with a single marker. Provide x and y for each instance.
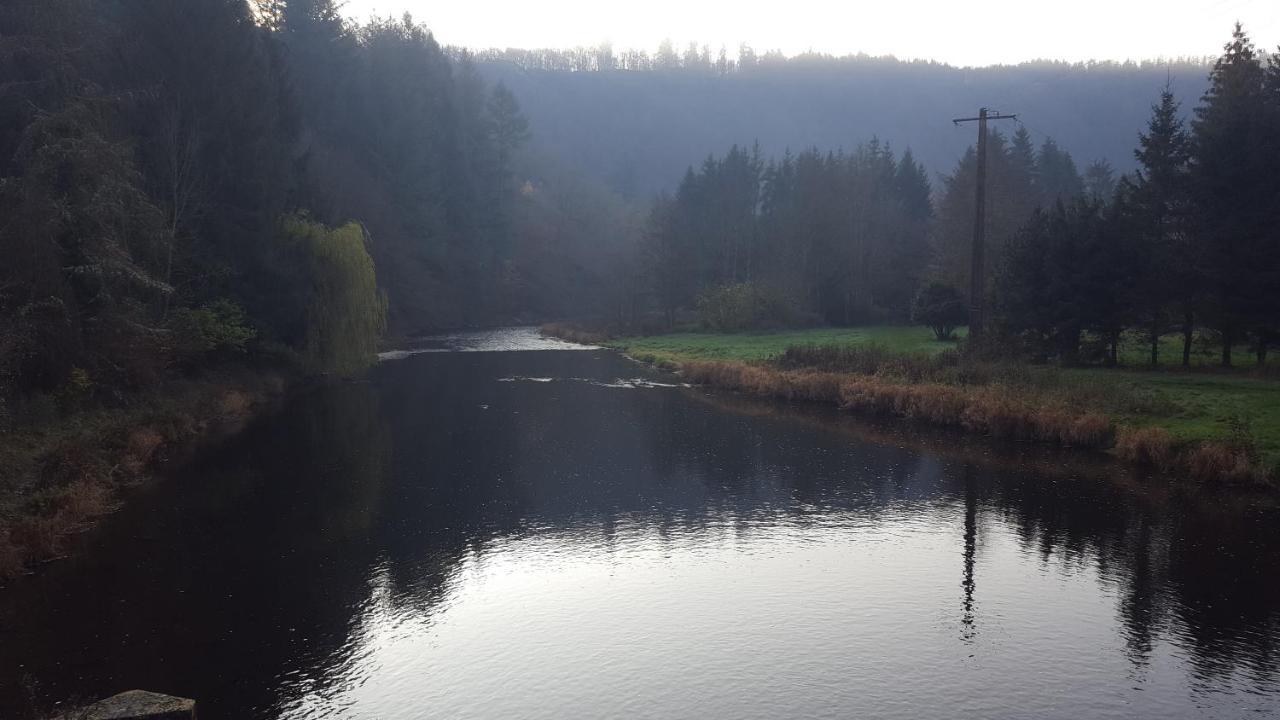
(1008, 30)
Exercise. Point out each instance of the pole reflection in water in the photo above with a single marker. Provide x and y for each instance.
(970, 548)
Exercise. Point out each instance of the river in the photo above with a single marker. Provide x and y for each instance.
(495, 526)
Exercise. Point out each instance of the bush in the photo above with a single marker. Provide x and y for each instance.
(940, 307)
(213, 327)
(745, 306)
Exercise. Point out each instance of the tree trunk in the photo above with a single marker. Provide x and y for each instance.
(1115, 348)
(1188, 329)
(1262, 350)
(1228, 337)
(1155, 341)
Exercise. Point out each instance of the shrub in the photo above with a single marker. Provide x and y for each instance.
(745, 306)
(216, 326)
(940, 307)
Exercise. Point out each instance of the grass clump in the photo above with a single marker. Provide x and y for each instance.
(1146, 446)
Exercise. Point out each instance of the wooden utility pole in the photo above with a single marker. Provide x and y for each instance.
(977, 284)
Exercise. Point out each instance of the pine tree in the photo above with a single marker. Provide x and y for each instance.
(1233, 190)
(1056, 174)
(1100, 180)
(1158, 200)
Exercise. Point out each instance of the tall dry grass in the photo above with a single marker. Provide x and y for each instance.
(1147, 447)
(993, 410)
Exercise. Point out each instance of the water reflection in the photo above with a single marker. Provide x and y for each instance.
(439, 543)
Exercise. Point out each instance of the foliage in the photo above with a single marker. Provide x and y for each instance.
(941, 308)
(219, 325)
(744, 306)
(345, 313)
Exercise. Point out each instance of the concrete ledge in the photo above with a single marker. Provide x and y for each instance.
(138, 705)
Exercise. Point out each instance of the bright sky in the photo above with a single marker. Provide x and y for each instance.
(1008, 31)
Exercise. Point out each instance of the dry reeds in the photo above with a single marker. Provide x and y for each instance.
(1223, 462)
(995, 410)
(140, 447)
(1148, 447)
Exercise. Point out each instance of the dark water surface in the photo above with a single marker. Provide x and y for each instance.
(520, 535)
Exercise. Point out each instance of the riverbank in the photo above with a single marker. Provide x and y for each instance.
(59, 476)
(1206, 425)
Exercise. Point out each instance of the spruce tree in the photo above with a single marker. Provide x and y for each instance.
(1157, 199)
(1233, 191)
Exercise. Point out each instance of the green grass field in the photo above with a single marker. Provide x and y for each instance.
(756, 347)
(1201, 404)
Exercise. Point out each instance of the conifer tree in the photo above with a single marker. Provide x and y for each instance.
(1233, 192)
(1158, 200)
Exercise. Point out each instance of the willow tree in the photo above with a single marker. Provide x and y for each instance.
(345, 313)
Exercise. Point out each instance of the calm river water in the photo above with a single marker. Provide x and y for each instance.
(557, 533)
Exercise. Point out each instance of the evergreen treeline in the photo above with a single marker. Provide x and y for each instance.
(846, 237)
(1190, 243)
(170, 174)
(842, 235)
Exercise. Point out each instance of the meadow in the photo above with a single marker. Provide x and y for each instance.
(1175, 409)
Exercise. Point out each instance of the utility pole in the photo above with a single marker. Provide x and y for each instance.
(977, 285)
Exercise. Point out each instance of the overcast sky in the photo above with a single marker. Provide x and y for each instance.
(1008, 31)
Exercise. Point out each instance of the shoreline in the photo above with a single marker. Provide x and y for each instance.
(62, 477)
(991, 409)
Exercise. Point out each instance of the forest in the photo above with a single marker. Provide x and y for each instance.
(1184, 243)
(188, 184)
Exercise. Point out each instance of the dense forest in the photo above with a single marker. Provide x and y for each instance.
(182, 184)
(633, 119)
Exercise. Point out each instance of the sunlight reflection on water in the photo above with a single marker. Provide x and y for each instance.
(496, 340)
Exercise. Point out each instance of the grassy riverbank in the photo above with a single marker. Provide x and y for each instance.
(59, 475)
(1206, 423)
